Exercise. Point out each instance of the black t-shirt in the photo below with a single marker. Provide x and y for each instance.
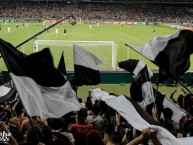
(60, 139)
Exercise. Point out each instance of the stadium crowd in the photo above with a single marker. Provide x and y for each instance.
(99, 11)
(95, 124)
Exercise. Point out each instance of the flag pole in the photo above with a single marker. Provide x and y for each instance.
(155, 102)
(23, 104)
(27, 40)
(37, 34)
(30, 120)
(179, 107)
(160, 67)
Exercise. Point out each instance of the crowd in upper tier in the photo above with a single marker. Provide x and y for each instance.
(99, 11)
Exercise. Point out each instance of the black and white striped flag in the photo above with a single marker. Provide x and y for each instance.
(86, 67)
(171, 53)
(141, 87)
(40, 85)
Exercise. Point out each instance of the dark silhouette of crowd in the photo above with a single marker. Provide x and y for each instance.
(134, 12)
(94, 124)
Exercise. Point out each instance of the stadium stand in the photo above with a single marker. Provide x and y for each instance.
(115, 129)
(99, 11)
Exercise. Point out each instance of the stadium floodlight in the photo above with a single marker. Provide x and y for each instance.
(106, 51)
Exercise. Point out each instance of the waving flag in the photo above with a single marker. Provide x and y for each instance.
(42, 88)
(139, 119)
(7, 93)
(61, 65)
(171, 53)
(86, 67)
(141, 87)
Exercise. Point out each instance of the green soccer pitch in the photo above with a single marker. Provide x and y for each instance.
(134, 35)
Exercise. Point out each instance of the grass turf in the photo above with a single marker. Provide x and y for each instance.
(125, 90)
(134, 35)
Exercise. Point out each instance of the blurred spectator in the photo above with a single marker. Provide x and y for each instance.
(133, 12)
(94, 137)
(80, 129)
